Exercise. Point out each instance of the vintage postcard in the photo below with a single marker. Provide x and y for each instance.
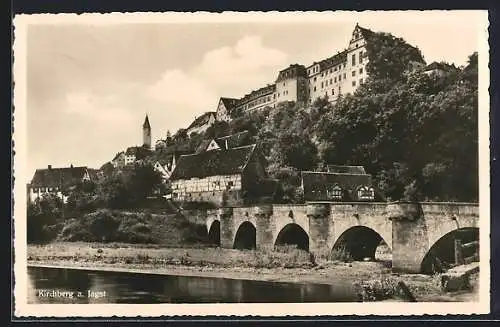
(264, 164)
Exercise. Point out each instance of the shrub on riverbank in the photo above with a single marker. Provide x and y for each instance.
(131, 227)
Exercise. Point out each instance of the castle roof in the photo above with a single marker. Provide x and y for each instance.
(333, 60)
(292, 71)
(229, 102)
(213, 163)
(58, 177)
(365, 32)
(202, 120)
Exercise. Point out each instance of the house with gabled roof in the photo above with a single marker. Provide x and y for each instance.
(224, 108)
(58, 181)
(439, 68)
(225, 142)
(339, 183)
(220, 177)
(202, 123)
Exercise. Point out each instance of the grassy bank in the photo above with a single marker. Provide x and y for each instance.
(284, 266)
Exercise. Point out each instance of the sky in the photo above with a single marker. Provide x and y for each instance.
(89, 86)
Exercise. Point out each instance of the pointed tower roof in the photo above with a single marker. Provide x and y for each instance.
(146, 123)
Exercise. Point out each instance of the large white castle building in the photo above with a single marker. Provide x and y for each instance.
(339, 74)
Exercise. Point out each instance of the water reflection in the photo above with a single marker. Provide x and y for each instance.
(52, 285)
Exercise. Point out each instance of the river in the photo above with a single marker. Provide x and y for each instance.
(62, 285)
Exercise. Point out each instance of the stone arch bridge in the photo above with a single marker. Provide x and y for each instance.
(411, 230)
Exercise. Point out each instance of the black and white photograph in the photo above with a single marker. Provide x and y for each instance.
(270, 164)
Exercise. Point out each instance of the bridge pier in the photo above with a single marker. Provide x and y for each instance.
(265, 226)
(226, 227)
(408, 226)
(320, 226)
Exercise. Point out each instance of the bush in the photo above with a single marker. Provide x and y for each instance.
(377, 290)
(341, 253)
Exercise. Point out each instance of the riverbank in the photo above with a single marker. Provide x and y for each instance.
(292, 266)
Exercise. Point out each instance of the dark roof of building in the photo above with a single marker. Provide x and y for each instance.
(359, 170)
(292, 71)
(202, 120)
(265, 90)
(213, 163)
(180, 149)
(316, 184)
(139, 152)
(202, 146)
(365, 32)
(58, 177)
(233, 140)
(334, 60)
(146, 123)
(438, 65)
(117, 155)
(229, 102)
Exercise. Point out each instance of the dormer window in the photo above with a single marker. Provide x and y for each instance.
(366, 193)
(335, 193)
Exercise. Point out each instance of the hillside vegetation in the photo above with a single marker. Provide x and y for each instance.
(417, 134)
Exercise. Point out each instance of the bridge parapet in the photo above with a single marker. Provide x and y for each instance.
(263, 211)
(224, 212)
(318, 210)
(404, 211)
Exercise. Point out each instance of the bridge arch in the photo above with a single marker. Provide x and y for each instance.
(293, 234)
(214, 233)
(358, 242)
(246, 236)
(441, 253)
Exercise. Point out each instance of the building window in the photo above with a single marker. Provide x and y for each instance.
(353, 73)
(330, 81)
(340, 78)
(344, 76)
(361, 70)
(315, 79)
(360, 81)
(331, 70)
(335, 69)
(315, 89)
(344, 64)
(361, 57)
(333, 91)
(354, 59)
(335, 79)
(353, 83)
(321, 84)
(340, 90)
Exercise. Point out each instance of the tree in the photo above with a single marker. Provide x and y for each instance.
(140, 182)
(417, 134)
(389, 56)
(43, 216)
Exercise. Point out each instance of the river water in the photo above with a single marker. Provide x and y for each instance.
(60, 285)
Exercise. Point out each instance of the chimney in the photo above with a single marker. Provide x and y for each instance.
(71, 166)
(50, 167)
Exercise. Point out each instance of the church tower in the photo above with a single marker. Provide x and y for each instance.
(146, 133)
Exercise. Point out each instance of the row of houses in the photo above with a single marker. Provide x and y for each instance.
(229, 170)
